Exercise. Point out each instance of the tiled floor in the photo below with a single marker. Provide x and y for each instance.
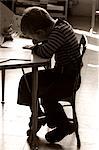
(14, 118)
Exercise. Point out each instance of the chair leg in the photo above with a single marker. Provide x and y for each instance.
(76, 125)
(78, 139)
(76, 131)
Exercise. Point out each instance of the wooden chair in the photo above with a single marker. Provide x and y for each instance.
(71, 100)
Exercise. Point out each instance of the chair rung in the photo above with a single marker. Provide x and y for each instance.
(67, 105)
(70, 119)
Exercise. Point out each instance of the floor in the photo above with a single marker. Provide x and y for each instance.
(14, 118)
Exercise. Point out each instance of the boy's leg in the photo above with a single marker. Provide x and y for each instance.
(47, 84)
(45, 78)
(54, 112)
(50, 84)
(41, 120)
(24, 98)
(56, 117)
(24, 91)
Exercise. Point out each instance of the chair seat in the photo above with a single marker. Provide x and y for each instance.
(67, 99)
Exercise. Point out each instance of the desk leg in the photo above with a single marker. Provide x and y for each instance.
(33, 138)
(3, 82)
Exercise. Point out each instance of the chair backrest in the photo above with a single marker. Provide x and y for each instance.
(82, 48)
(83, 44)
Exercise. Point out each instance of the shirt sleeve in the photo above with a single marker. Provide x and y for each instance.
(51, 46)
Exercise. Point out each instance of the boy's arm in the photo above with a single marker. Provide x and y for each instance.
(48, 48)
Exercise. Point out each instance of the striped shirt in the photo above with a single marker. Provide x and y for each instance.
(63, 43)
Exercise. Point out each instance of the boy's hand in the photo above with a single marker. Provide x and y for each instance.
(35, 41)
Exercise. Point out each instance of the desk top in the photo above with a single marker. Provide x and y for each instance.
(14, 56)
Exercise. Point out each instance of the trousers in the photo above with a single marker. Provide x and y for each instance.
(52, 87)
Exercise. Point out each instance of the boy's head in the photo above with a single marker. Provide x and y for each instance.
(35, 23)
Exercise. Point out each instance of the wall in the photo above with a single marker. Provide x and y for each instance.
(83, 8)
(6, 17)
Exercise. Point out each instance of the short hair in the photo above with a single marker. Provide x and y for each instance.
(35, 18)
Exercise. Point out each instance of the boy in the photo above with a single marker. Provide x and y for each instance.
(58, 38)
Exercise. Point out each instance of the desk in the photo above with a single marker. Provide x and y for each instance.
(15, 57)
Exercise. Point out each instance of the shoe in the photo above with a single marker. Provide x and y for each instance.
(41, 121)
(51, 123)
(59, 133)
